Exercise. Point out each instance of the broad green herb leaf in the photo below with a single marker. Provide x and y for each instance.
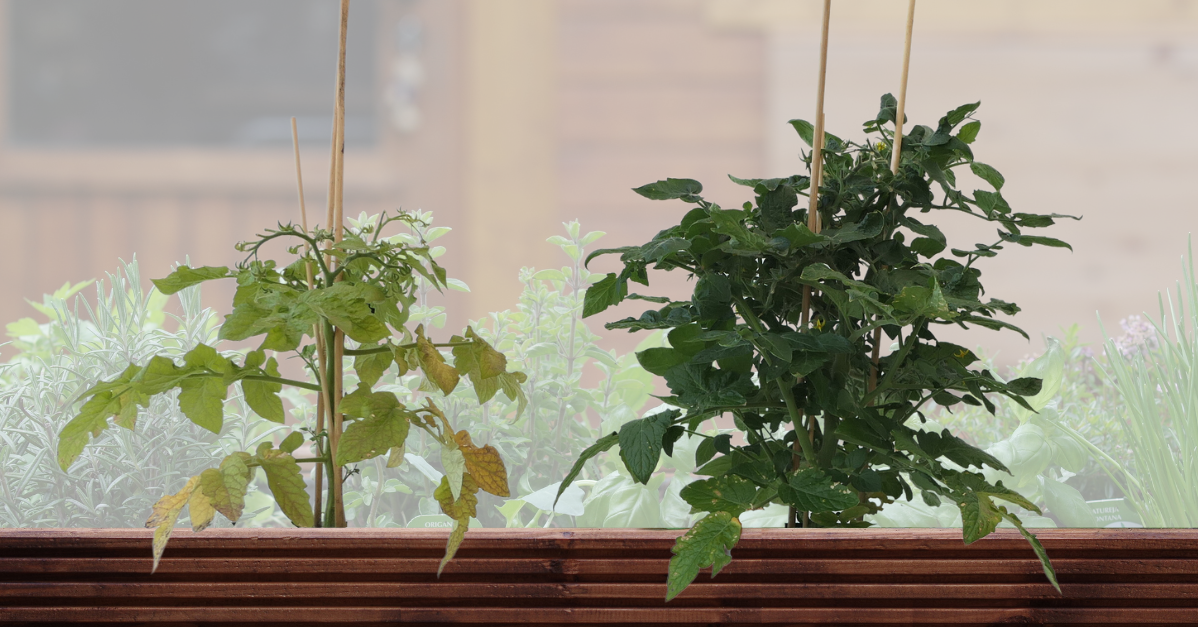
(670, 189)
(370, 437)
(640, 444)
(287, 485)
(164, 515)
(810, 490)
(225, 487)
(708, 544)
(602, 444)
(184, 277)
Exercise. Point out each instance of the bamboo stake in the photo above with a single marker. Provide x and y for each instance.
(813, 220)
(895, 157)
(336, 222)
(322, 408)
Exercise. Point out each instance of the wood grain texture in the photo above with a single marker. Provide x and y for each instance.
(594, 577)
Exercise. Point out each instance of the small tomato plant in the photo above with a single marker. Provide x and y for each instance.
(781, 332)
(361, 287)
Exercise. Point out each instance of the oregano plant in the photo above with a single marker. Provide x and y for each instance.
(359, 286)
(787, 331)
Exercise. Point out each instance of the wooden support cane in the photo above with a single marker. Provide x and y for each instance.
(322, 400)
(813, 221)
(333, 380)
(895, 157)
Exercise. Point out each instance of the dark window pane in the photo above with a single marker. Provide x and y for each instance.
(185, 72)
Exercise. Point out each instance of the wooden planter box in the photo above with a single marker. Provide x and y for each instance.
(594, 576)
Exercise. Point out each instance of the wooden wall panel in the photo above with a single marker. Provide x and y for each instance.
(591, 577)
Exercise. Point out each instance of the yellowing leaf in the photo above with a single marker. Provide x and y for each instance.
(287, 484)
(432, 363)
(484, 464)
(201, 510)
(165, 514)
(491, 363)
(511, 382)
(460, 509)
(370, 437)
(454, 463)
(225, 488)
(395, 459)
(370, 368)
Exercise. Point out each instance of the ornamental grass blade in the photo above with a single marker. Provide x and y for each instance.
(165, 514)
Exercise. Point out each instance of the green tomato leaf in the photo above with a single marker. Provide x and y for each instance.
(202, 400)
(810, 490)
(729, 493)
(670, 189)
(263, 396)
(708, 544)
(640, 443)
(184, 277)
(293, 441)
(609, 291)
(988, 174)
(969, 132)
(604, 443)
(370, 367)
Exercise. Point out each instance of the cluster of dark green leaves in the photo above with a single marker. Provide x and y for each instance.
(363, 286)
(739, 345)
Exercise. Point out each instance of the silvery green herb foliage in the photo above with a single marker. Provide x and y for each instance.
(364, 295)
(739, 345)
(80, 343)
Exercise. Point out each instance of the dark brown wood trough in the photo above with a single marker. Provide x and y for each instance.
(593, 577)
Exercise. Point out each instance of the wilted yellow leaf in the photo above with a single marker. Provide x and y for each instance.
(201, 510)
(484, 464)
(287, 485)
(432, 363)
(225, 488)
(460, 510)
(491, 363)
(165, 514)
(395, 459)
